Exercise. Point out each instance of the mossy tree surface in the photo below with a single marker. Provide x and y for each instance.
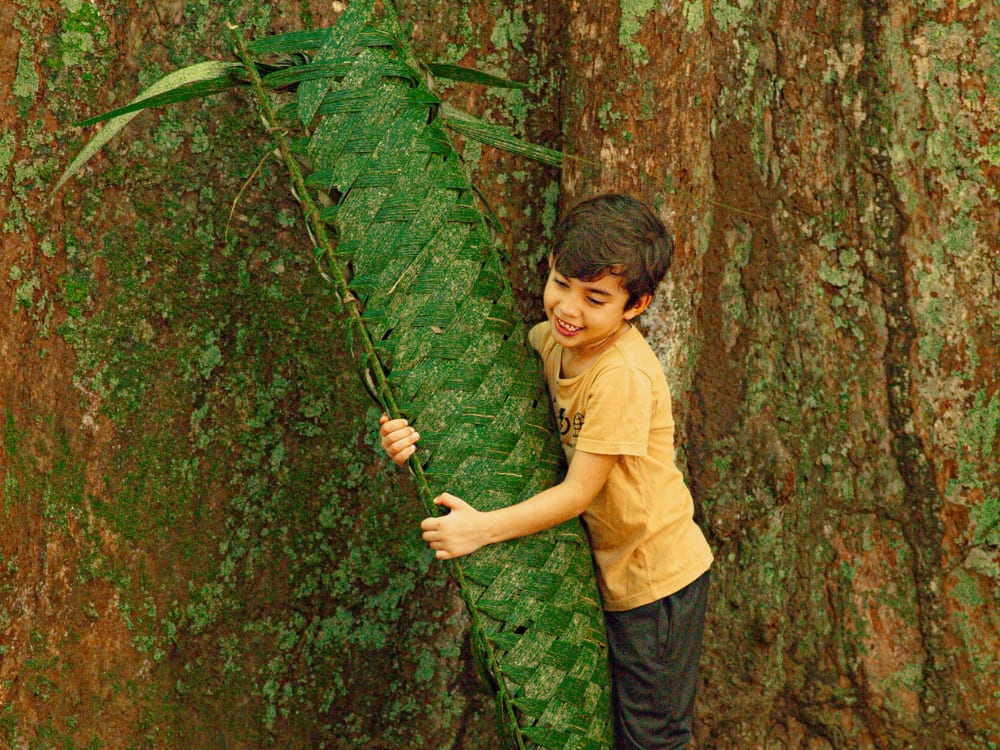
(174, 392)
(202, 544)
(831, 173)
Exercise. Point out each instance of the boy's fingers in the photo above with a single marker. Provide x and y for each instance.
(392, 425)
(400, 458)
(398, 438)
(397, 443)
(400, 450)
(448, 501)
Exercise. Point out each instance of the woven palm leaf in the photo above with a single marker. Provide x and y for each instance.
(442, 343)
(433, 296)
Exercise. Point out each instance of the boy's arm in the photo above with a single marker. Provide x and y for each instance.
(464, 529)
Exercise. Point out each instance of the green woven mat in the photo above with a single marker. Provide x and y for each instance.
(439, 338)
(437, 306)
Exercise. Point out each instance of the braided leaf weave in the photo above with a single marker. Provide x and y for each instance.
(419, 259)
(440, 339)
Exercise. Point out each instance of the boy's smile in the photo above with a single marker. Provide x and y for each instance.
(587, 315)
(565, 328)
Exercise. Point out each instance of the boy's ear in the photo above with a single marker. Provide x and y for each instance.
(639, 307)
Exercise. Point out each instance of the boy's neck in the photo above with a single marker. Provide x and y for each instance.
(577, 361)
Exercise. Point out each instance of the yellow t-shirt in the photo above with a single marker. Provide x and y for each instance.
(645, 542)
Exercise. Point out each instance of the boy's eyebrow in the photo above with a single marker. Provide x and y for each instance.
(589, 289)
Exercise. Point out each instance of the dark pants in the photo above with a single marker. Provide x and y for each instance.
(653, 652)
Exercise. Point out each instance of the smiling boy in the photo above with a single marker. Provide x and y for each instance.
(613, 409)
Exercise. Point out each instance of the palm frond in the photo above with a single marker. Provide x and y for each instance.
(497, 136)
(193, 81)
(465, 74)
(432, 300)
(442, 342)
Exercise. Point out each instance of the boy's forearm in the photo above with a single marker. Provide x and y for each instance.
(463, 529)
(539, 512)
(568, 499)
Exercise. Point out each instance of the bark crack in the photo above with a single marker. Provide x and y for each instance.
(922, 528)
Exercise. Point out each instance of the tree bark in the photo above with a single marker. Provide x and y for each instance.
(197, 540)
(829, 173)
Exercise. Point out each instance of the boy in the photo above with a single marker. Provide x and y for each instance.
(612, 406)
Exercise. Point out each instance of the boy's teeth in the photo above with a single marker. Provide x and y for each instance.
(567, 326)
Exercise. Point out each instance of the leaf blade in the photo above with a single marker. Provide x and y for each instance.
(498, 136)
(465, 74)
(203, 72)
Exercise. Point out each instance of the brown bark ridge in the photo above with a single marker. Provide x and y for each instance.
(195, 547)
(830, 173)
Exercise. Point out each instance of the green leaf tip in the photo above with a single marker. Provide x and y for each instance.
(471, 75)
(200, 79)
(498, 136)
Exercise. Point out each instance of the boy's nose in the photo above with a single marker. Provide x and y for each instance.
(570, 305)
(568, 310)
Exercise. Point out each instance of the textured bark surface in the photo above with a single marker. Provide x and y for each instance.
(198, 545)
(831, 175)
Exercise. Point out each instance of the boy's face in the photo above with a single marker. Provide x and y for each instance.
(586, 314)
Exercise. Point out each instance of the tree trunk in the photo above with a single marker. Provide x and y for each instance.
(831, 175)
(199, 545)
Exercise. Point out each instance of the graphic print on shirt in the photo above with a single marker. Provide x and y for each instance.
(565, 423)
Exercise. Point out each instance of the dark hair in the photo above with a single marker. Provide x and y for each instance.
(614, 234)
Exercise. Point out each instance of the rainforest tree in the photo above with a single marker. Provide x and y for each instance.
(197, 537)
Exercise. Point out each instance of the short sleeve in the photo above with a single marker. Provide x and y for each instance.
(618, 413)
(536, 336)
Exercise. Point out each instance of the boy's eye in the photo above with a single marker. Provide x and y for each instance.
(596, 302)
(560, 282)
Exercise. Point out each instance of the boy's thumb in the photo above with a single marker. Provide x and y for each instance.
(448, 501)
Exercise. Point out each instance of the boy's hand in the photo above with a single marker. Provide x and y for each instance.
(399, 440)
(460, 532)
